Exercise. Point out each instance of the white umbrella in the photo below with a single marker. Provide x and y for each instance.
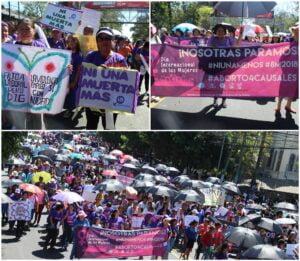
(116, 32)
(6, 199)
(285, 221)
(69, 197)
(110, 185)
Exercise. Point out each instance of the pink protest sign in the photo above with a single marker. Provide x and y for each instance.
(252, 71)
(105, 243)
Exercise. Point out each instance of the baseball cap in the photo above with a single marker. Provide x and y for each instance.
(104, 30)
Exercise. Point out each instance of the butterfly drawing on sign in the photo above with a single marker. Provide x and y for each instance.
(32, 77)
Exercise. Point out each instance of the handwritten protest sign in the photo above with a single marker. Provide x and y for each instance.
(137, 222)
(34, 79)
(213, 197)
(189, 218)
(89, 196)
(87, 43)
(62, 18)
(105, 243)
(89, 17)
(20, 210)
(110, 88)
(253, 71)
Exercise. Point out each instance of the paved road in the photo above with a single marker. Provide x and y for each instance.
(198, 113)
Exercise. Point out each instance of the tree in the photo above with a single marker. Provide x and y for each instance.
(34, 9)
(11, 143)
(203, 15)
(112, 19)
(141, 30)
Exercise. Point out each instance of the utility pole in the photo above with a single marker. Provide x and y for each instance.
(238, 171)
(259, 158)
(19, 10)
(9, 9)
(221, 152)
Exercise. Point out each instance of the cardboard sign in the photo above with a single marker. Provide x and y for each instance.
(89, 17)
(213, 197)
(62, 18)
(186, 71)
(34, 79)
(109, 88)
(105, 243)
(89, 196)
(87, 43)
(189, 218)
(20, 210)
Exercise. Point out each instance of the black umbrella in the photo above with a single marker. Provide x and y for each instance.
(161, 167)
(162, 191)
(264, 251)
(244, 9)
(148, 169)
(286, 206)
(243, 237)
(61, 157)
(244, 188)
(245, 219)
(194, 184)
(172, 170)
(110, 158)
(232, 188)
(49, 152)
(190, 195)
(161, 179)
(43, 158)
(270, 225)
(227, 27)
(142, 184)
(110, 185)
(254, 206)
(10, 182)
(15, 161)
(129, 166)
(181, 179)
(145, 177)
(213, 180)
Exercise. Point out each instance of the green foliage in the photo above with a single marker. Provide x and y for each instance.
(111, 18)
(140, 31)
(203, 15)
(34, 9)
(11, 143)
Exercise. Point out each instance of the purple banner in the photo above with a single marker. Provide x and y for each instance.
(106, 243)
(254, 71)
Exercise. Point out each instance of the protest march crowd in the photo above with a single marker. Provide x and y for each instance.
(82, 181)
(102, 46)
(222, 35)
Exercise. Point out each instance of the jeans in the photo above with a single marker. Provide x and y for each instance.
(51, 236)
(20, 228)
(67, 235)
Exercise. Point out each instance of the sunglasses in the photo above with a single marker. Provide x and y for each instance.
(104, 38)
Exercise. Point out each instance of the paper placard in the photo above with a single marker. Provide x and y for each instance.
(89, 196)
(89, 17)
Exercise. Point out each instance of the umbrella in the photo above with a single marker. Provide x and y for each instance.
(161, 167)
(243, 237)
(161, 179)
(110, 185)
(148, 169)
(142, 184)
(117, 153)
(126, 158)
(184, 27)
(10, 182)
(254, 206)
(15, 161)
(30, 188)
(64, 152)
(129, 166)
(69, 197)
(285, 205)
(131, 193)
(213, 180)
(245, 219)
(45, 175)
(43, 158)
(162, 191)
(50, 152)
(110, 173)
(110, 158)
(244, 187)
(263, 251)
(61, 157)
(190, 195)
(244, 9)
(270, 225)
(6, 199)
(181, 179)
(231, 188)
(76, 156)
(69, 147)
(228, 27)
(256, 28)
(172, 170)
(145, 177)
(194, 184)
(285, 221)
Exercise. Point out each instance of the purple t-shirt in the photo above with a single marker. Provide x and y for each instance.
(115, 223)
(116, 60)
(36, 43)
(214, 42)
(57, 45)
(76, 61)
